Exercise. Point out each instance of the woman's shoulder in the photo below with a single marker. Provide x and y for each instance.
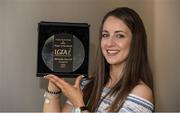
(143, 91)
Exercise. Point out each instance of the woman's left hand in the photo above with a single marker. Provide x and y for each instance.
(72, 92)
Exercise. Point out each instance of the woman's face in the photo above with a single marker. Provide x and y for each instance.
(115, 41)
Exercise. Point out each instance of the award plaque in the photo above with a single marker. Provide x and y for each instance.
(63, 49)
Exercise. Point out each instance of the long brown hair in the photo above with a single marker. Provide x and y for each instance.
(137, 66)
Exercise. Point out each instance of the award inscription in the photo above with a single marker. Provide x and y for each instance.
(63, 53)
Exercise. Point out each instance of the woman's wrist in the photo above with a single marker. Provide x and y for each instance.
(79, 104)
(52, 87)
(81, 109)
(49, 96)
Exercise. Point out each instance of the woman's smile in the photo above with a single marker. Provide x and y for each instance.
(112, 52)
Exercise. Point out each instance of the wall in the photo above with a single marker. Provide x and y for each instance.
(166, 54)
(20, 90)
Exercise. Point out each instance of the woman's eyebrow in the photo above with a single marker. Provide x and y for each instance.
(119, 31)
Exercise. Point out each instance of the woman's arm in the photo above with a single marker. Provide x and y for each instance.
(52, 101)
(52, 104)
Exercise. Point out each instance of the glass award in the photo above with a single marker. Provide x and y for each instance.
(63, 49)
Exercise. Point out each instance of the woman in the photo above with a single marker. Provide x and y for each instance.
(123, 80)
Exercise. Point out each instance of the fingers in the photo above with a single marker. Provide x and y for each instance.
(78, 80)
(61, 83)
(56, 80)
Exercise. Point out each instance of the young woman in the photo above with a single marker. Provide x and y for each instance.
(123, 80)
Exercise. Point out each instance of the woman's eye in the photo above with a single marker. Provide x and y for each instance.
(120, 36)
(104, 35)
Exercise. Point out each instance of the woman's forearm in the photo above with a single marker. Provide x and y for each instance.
(52, 103)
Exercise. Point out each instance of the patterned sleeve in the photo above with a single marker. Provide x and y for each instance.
(136, 104)
(83, 83)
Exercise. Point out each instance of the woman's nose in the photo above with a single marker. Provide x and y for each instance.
(110, 41)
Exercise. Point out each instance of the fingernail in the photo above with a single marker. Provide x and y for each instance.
(84, 76)
(45, 76)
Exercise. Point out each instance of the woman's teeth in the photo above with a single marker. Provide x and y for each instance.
(112, 51)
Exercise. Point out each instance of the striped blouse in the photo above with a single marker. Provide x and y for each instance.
(132, 104)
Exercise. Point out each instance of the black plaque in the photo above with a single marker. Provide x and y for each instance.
(63, 49)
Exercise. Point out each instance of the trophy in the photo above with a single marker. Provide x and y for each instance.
(63, 49)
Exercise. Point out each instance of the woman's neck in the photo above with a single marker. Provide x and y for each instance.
(115, 74)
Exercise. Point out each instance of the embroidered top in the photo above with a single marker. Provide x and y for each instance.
(132, 104)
